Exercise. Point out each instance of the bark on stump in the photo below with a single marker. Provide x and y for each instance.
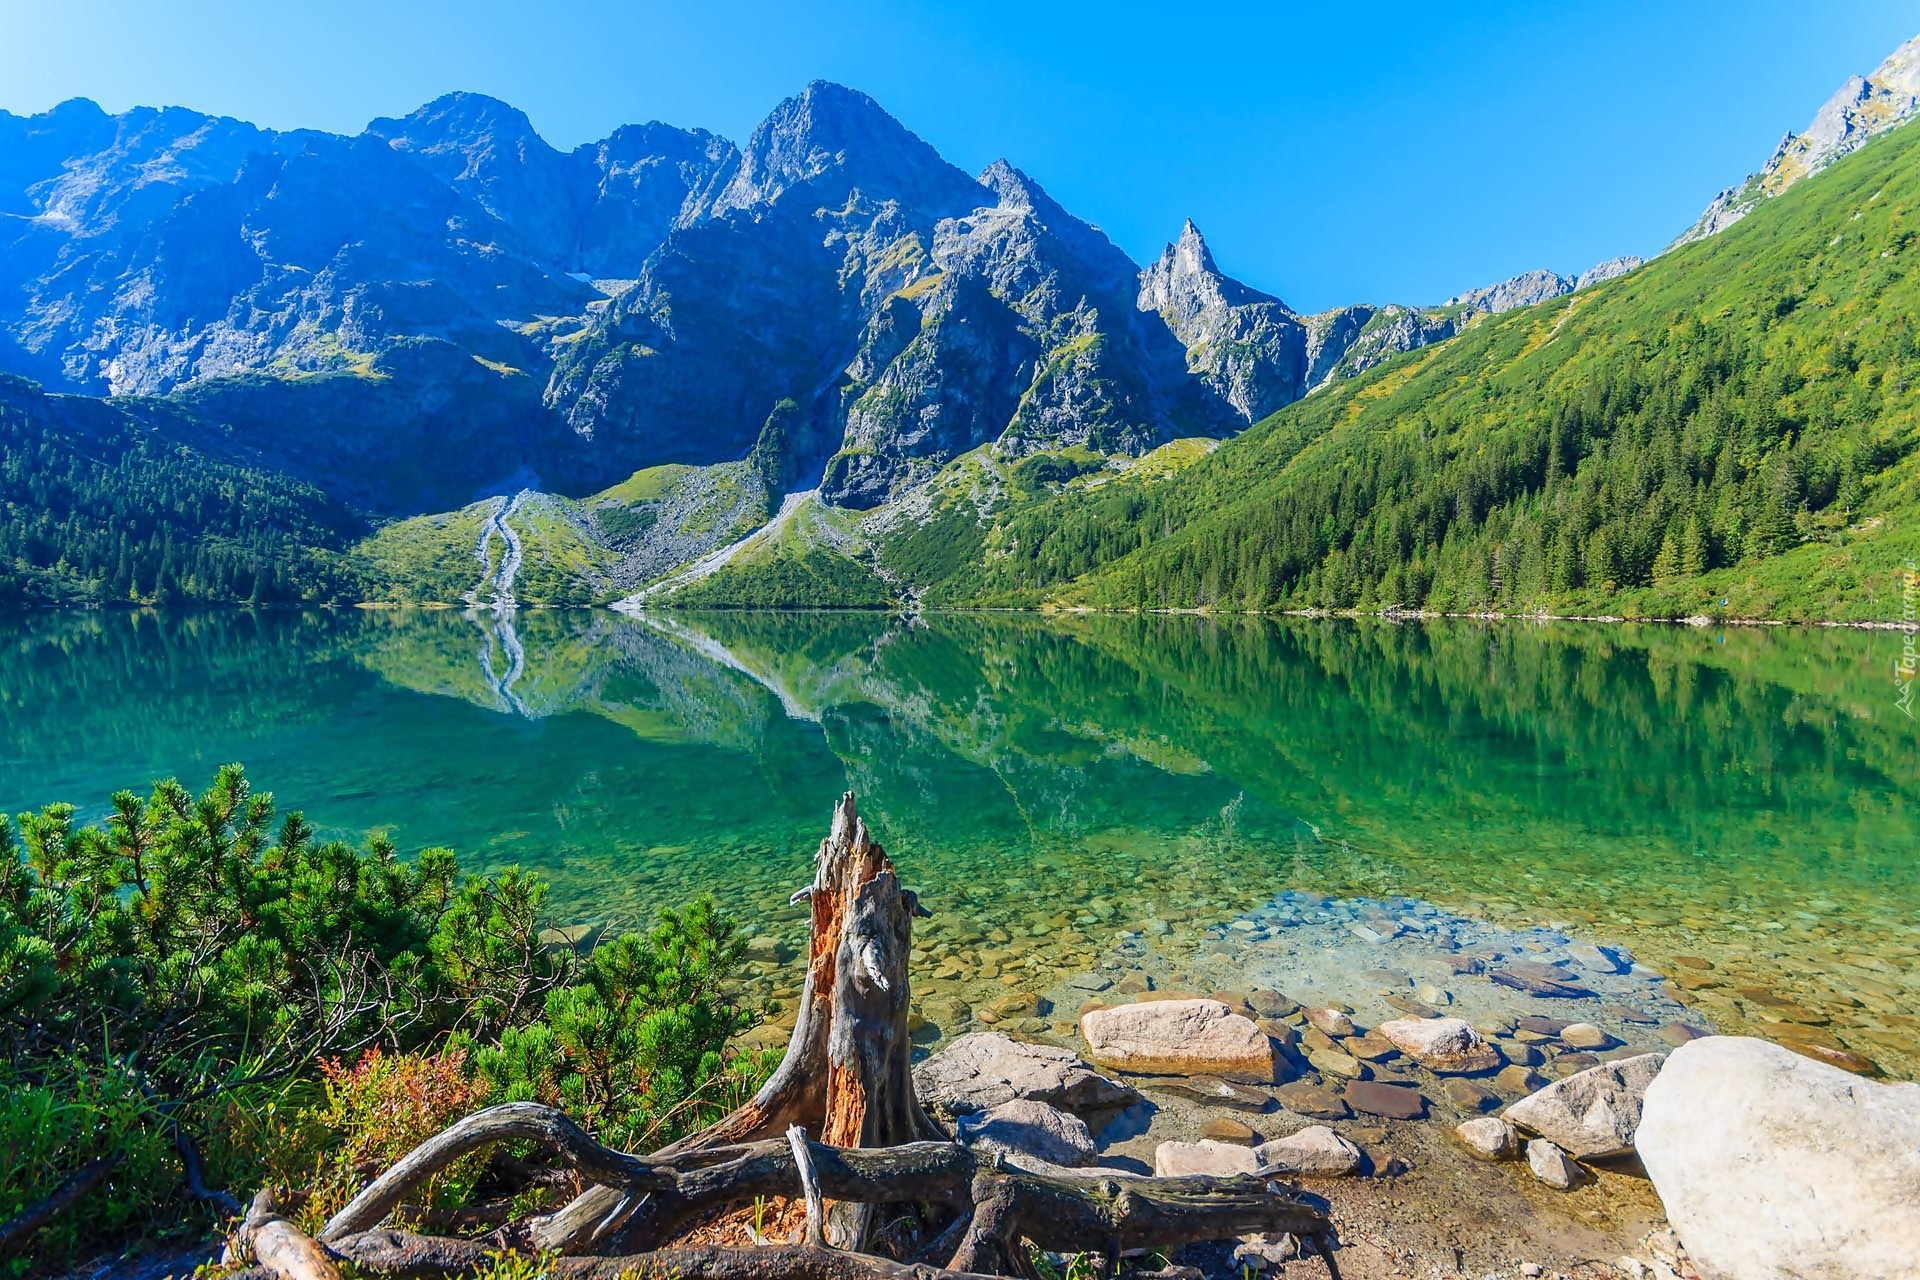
(847, 1074)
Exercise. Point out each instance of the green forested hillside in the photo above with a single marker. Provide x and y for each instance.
(1733, 422)
(100, 502)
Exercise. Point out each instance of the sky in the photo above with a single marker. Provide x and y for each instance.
(1330, 153)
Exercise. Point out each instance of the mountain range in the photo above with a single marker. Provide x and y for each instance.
(530, 374)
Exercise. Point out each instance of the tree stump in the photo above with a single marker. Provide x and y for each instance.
(847, 1076)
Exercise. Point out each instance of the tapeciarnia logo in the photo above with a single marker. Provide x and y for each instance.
(1908, 666)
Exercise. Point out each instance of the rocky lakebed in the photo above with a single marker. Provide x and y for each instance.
(1466, 1100)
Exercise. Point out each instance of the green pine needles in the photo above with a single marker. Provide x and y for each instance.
(196, 979)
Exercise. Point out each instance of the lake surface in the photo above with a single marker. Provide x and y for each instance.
(1056, 788)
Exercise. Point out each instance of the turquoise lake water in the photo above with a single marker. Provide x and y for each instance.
(1745, 796)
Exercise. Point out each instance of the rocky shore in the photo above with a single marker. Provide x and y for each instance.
(1466, 1099)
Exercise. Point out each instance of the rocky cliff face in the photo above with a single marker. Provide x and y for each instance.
(1861, 109)
(833, 298)
(1248, 348)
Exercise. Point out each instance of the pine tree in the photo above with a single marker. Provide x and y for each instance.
(1666, 561)
(1694, 553)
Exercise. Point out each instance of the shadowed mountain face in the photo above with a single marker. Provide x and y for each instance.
(445, 302)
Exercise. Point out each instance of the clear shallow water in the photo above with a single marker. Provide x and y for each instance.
(1746, 796)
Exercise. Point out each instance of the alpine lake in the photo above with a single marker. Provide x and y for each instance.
(1692, 828)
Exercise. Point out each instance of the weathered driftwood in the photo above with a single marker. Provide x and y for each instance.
(846, 1077)
(513, 1120)
(408, 1257)
(280, 1248)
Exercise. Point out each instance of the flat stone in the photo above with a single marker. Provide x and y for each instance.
(1584, 1035)
(1409, 1006)
(1428, 994)
(1179, 1037)
(1387, 977)
(1469, 1095)
(1553, 1166)
(1032, 1129)
(1598, 959)
(984, 1069)
(1463, 965)
(1634, 1016)
(1331, 1062)
(1692, 962)
(1550, 1028)
(1446, 1045)
(1372, 1047)
(1489, 1138)
(1088, 982)
(1272, 1004)
(1773, 1166)
(1330, 1022)
(1845, 1059)
(1133, 984)
(1518, 1079)
(1215, 1092)
(1226, 1129)
(1304, 1098)
(1679, 1033)
(1284, 1033)
(1592, 1114)
(1206, 1158)
(1313, 1152)
(1545, 988)
(1393, 1101)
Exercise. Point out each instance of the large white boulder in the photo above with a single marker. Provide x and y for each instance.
(982, 1070)
(1775, 1167)
(1179, 1037)
(1592, 1114)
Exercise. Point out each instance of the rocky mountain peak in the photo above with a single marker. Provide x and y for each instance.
(457, 123)
(828, 128)
(1186, 269)
(1862, 108)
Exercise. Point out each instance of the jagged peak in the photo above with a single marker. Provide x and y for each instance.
(827, 126)
(1187, 265)
(1012, 186)
(460, 116)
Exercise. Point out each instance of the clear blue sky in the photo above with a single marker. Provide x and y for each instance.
(1331, 153)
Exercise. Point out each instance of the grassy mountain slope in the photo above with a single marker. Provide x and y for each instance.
(574, 551)
(106, 502)
(1736, 420)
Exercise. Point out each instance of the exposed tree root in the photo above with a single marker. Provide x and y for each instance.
(846, 1078)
